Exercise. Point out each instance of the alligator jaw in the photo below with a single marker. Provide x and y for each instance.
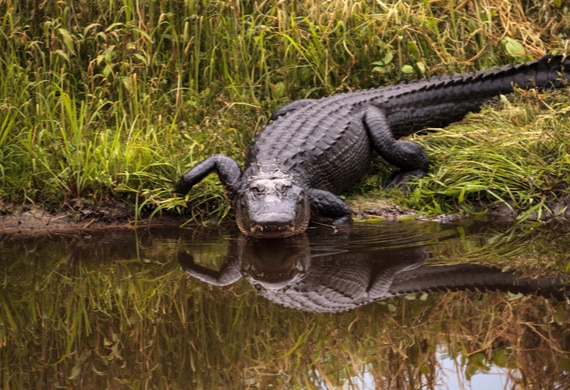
(272, 229)
(276, 265)
(273, 225)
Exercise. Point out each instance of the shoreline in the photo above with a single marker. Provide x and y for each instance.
(35, 220)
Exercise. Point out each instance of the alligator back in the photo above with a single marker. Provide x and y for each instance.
(323, 144)
(332, 287)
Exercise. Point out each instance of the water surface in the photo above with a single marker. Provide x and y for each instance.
(115, 309)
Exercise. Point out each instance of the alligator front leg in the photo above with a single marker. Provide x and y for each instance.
(228, 274)
(328, 205)
(408, 156)
(227, 169)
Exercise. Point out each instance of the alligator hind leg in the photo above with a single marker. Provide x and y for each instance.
(409, 157)
(227, 169)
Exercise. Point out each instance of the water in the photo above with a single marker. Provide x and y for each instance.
(115, 309)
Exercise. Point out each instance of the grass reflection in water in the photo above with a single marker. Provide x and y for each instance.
(117, 311)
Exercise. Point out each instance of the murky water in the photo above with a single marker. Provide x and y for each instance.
(116, 309)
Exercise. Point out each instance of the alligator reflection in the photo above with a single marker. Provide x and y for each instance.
(322, 276)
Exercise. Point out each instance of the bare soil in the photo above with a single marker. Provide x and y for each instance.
(75, 216)
(82, 215)
(111, 214)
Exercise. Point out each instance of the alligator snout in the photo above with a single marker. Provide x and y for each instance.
(256, 219)
(272, 230)
(272, 224)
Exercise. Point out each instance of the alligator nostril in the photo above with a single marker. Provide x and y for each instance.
(273, 219)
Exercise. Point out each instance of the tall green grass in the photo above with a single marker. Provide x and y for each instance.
(514, 155)
(116, 99)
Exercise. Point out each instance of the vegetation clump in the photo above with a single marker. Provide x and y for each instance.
(114, 100)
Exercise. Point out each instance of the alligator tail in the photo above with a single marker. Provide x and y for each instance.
(438, 102)
(547, 72)
(478, 278)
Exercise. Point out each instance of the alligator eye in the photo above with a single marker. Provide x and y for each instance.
(280, 187)
(256, 189)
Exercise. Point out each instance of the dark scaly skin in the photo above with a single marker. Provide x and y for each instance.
(314, 149)
(288, 273)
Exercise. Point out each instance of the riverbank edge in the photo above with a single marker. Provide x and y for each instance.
(26, 219)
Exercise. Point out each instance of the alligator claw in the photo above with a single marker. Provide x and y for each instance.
(402, 179)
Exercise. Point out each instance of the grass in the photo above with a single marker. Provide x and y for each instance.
(116, 99)
(515, 155)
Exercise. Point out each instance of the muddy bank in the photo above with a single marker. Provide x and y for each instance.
(77, 216)
(501, 213)
(113, 214)
(82, 215)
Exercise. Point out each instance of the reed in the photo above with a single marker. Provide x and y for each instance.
(514, 154)
(116, 99)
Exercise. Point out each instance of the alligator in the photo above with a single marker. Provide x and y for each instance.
(300, 276)
(312, 150)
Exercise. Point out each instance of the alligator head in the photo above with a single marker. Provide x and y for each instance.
(275, 265)
(271, 205)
